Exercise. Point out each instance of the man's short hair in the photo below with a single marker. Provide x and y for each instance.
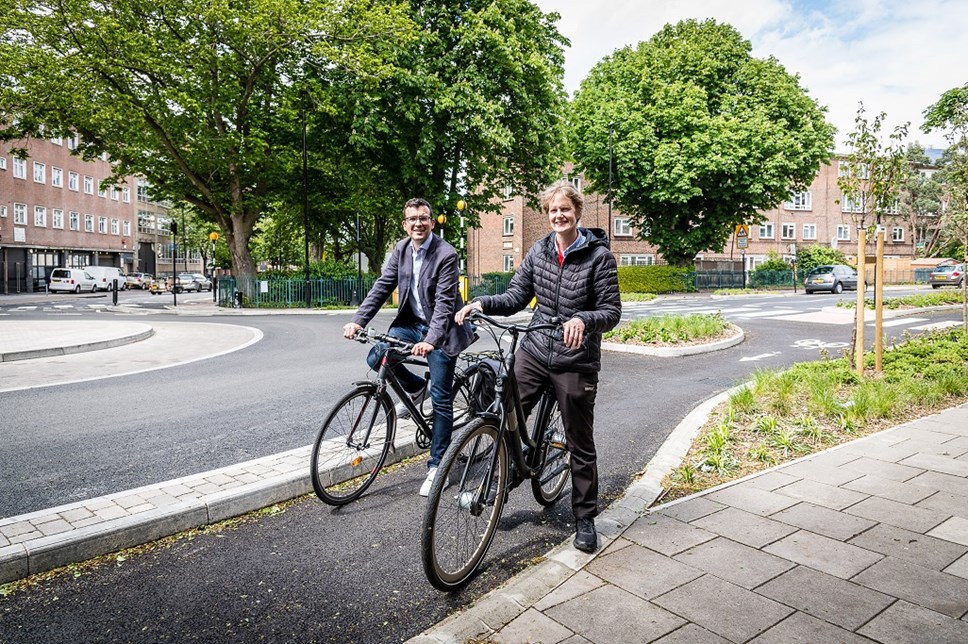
(417, 203)
(566, 188)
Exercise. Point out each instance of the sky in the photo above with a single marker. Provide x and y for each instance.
(896, 56)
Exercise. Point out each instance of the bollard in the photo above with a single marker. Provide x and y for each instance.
(114, 293)
(238, 299)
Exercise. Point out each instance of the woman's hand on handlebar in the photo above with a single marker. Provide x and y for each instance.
(461, 315)
(350, 329)
(573, 332)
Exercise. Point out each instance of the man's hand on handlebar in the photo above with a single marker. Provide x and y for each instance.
(422, 349)
(461, 315)
(350, 329)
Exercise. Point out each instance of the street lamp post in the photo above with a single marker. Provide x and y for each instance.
(305, 187)
(611, 127)
(355, 298)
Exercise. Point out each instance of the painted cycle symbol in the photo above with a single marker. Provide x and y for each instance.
(818, 344)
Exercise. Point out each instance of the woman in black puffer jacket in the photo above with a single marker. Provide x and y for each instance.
(573, 275)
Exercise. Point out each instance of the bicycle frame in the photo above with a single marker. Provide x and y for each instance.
(398, 352)
(512, 422)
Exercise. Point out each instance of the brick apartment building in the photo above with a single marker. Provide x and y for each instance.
(818, 215)
(54, 212)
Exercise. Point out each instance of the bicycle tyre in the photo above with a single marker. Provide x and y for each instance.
(550, 482)
(342, 471)
(461, 516)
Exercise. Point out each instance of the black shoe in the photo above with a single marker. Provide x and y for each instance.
(586, 539)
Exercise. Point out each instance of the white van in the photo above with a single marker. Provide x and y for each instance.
(72, 280)
(105, 276)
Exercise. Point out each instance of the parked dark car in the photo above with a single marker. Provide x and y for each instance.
(947, 275)
(834, 278)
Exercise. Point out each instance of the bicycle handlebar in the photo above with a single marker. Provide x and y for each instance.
(514, 328)
(366, 336)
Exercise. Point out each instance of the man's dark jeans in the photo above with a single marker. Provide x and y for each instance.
(441, 385)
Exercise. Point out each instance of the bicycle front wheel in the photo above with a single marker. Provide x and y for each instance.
(464, 506)
(549, 433)
(352, 445)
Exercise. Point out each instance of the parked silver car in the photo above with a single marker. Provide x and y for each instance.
(835, 278)
(203, 283)
(947, 275)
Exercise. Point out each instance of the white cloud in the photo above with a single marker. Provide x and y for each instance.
(897, 56)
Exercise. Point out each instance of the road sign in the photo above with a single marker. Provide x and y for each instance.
(742, 236)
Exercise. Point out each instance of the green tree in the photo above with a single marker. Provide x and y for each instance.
(871, 175)
(809, 257)
(201, 98)
(921, 199)
(473, 104)
(950, 114)
(705, 135)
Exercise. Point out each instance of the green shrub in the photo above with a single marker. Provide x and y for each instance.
(655, 279)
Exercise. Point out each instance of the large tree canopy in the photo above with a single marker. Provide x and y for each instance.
(705, 135)
(200, 97)
(475, 103)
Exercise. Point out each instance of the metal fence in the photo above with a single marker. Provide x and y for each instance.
(279, 292)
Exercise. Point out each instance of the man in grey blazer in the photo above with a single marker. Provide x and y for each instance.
(424, 268)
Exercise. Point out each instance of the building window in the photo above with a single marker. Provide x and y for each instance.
(72, 181)
(57, 218)
(88, 185)
(126, 228)
(894, 208)
(115, 193)
(800, 201)
(40, 216)
(40, 172)
(3, 212)
(102, 191)
(3, 163)
(126, 194)
(75, 220)
(20, 213)
(102, 225)
(788, 231)
(19, 168)
(843, 232)
(621, 227)
(89, 223)
(57, 140)
(766, 230)
(575, 181)
(846, 169)
(809, 231)
(508, 263)
(72, 142)
(57, 177)
(509, 225)
(636, 260)
(897, 234)
(508, 192)
(852, 204)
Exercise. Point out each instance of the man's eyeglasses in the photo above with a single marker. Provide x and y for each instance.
(417, 220)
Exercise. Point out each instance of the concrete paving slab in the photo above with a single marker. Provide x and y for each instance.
(905, 623)
(824, 554)
(734, 562)
(938, 591)
(924, 550)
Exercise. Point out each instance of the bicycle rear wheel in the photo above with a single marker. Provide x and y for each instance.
(549, 433)
(464, 506)
(352, 445)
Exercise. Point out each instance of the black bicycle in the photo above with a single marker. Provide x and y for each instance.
(494, 452)
(353, 444)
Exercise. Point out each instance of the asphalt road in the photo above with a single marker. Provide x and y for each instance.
(314, 573)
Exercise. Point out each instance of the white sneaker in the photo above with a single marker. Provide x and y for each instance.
(417, 398)
(429, 481)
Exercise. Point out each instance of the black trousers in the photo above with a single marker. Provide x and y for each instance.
(576, 394)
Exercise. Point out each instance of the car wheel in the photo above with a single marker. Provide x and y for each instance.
(838, 288)
(77, 289)
(94, 289)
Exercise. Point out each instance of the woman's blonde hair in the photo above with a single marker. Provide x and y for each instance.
(566, 188)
